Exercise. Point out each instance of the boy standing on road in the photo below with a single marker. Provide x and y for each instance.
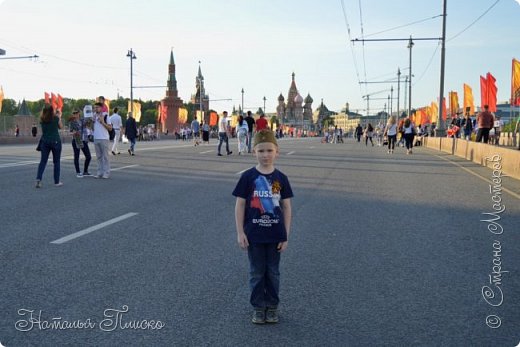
(263, 222)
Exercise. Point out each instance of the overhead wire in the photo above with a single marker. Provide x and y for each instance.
(363, 43)
(473, 23)
(351, 45)
(417, 80)
(404, 25)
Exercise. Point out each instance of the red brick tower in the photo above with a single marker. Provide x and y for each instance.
(172, 103)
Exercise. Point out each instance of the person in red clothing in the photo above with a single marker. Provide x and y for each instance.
(261, 123)
(485, 122)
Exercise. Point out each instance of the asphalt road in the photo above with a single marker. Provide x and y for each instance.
(385, 250)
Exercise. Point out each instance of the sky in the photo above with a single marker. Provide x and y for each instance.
(254, 45)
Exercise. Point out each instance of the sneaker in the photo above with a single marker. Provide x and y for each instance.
(113, 153)
(105, 177)
(271, 316)
(230, 152)
(388, 151)
(98, 176)
(133, 153)
(79, 175)
(220, 155)
(87, 174)
(130, 152)
(258, 316)
(118, 152)
(38, 184)
(59, 184)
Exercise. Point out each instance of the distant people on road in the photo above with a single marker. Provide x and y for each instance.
(358, 132)
(102, 126)
(117, 124)
(131, 132)
(79, 143)
(369, 131)
(224, 132)
(17, 131)
(195, 129)
(242, 131)
(498, 125)
(263, 223)
(261, 123)
(380, 128)
(251, 127)
(205, 132)
(409, 132)
(485, 122)
(467, 127)
(391, 133)
(50, 141)
(34, 130)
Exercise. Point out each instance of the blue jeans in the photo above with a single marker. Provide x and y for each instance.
(223, 137)
(48, 147)
(86, 152)
(132, 144)
(264, 274)
(249, 140)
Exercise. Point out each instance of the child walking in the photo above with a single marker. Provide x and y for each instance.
(263, 222)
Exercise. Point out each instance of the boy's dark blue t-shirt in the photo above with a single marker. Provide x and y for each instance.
(263, 222)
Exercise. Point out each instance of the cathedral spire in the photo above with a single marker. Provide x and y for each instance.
(172, 61)
(172, 80)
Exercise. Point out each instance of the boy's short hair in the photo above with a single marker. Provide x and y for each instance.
(98, 104)
(264, 135)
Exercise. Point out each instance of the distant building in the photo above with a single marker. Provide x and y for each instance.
(171, 103)
(196, 98)
(297, 112)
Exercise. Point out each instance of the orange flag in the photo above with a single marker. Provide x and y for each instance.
(59, 102)
(444, 110)
(491, 88)
(434, 111)
(54, 101)
(1, 97)
(468, 99)
(483, 92)
(515, 83)
(454, 103)
(47, 98)
(213, 119)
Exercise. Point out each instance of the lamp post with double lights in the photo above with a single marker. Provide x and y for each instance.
(131, 55)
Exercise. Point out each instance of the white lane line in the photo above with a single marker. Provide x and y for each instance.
(206, 151)
(93, 228)
(241, 172)
(164, 147)
(124, 167)
(290, 153)
(30, 162)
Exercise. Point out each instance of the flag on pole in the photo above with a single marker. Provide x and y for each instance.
(515, 83)
(483, 92)
(468, 99)
(491, 89)
(1, 97)
(47, 101)
(183, 115)
(434, 111)
(59, 102)
(444, 110)
(54, 102)
(213, 119)
(454, 103)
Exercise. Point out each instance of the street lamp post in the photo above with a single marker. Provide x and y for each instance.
(410, 45)
(264, 103)
(131, 55)
(200, 95)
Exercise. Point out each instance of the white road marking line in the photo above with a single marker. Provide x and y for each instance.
(487, 180)
(290, 153)
(123, 167)
(93, 228)
(30, 162)
(165, 147)
(206, 152)
(241, 172)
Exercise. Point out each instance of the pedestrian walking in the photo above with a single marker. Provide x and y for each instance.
(102, 126)
(205, 132)
(409, 132)
(250, 126)
(79, 143)
(263, 222)
(467, 126)
(17, 131)
(224, 132)
(242, 131)
(195, 128)
(131, 132)
(34, 130)
(369, 131)
(50, 141)
(359, 132)
(261, 123)
(117, 123)
(391, 133)
(485, 122)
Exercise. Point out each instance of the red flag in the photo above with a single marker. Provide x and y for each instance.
(491, 92)
(47, 98)
(483, 91)
(59, 102)
(54, 102)
(213, 119)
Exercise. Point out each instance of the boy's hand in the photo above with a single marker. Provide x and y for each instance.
(242, 240)
(282, 246)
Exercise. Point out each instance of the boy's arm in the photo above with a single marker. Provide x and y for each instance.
(287, 217)
(240, 209)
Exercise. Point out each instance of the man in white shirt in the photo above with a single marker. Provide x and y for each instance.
(115, 120)
(223, 133)
(102, 126)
